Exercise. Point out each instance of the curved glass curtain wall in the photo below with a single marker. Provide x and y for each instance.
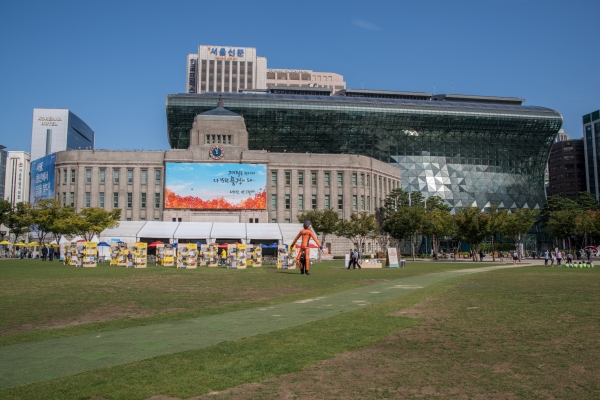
(468, 154)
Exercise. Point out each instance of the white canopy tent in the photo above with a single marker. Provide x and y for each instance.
(126, 232)
(228, 230)
(263, 232)
(158, 230)
(193, 230)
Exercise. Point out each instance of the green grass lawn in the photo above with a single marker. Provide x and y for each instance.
(36, 296)
(530, 332)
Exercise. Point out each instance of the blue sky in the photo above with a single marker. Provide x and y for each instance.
(114, 62)
(187, 179)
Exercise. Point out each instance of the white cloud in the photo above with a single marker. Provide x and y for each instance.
(366, 25)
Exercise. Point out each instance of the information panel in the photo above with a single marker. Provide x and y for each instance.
(42, 178)
(210, 186)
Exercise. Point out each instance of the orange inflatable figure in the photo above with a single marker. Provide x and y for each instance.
(306, 235)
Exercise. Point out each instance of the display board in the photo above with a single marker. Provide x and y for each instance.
(242, 256)
(213, 252)
(114, 253)
(204, 255)
(187, 255)
(232, 255)
(207, 186)
(165, 255)
(257, 256)
(286, 257)
(141, 255)
(70, 252)
(122, 260)
(90, 256)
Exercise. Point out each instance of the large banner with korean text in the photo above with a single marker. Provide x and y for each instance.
(216, 186)
(42, 178)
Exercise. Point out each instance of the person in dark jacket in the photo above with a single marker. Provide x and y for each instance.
(51, 253)
(44, 253)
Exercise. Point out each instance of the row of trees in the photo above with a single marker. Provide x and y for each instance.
(408, 216)
(574, 221)
(47, 218)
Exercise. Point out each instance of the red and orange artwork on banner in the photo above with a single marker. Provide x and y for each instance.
(216, 186)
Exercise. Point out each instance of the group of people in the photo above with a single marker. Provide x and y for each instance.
(47, 253)
(354, 260)
(558, 256)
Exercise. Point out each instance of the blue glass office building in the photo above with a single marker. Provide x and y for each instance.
(469, 153)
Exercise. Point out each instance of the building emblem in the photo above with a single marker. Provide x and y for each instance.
(216, 152)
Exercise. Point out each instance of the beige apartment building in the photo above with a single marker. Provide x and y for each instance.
(305, 78)
(134, 181)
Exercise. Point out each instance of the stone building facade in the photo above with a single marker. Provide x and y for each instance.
(134, 181)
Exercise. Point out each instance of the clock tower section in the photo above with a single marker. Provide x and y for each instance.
(218, 135)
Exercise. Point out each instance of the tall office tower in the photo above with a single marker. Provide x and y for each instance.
(3, 156)
(16, 183)
(566, 168)
(591, 140)
(225, 69)
(58, 129)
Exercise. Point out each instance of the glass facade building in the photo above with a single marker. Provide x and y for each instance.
(466, 153)
(591, 142)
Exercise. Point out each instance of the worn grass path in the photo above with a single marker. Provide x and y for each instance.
(32, 362)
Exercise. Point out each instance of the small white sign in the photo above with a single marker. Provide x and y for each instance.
(393, 257)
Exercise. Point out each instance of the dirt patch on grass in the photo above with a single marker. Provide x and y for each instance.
(498, 340)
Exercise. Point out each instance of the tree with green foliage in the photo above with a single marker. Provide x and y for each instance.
(563, 224)
(43, 214)
(5, 209)
(18, 220)
(518, 223)
(586, 201)
(360, 228)
(556, 203)
(472, 226)
(65, 223)
(497, 226)
(405, 222)
(437, 222)
(93, 220)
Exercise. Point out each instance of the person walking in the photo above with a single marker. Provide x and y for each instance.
(44, 253)
(351, 261)
(569, 257)
(588, 253)
(559, 256)
(356, 260)
(51, 254)
(551, 258)
(515, 257)
(546, 257)
(501, 255)
(223, 257)
(480, 255)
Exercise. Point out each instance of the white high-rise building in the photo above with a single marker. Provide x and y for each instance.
(225, 69)
(58, 129)
(16, 183)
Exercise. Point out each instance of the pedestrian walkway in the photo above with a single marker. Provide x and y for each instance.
(31, 362)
